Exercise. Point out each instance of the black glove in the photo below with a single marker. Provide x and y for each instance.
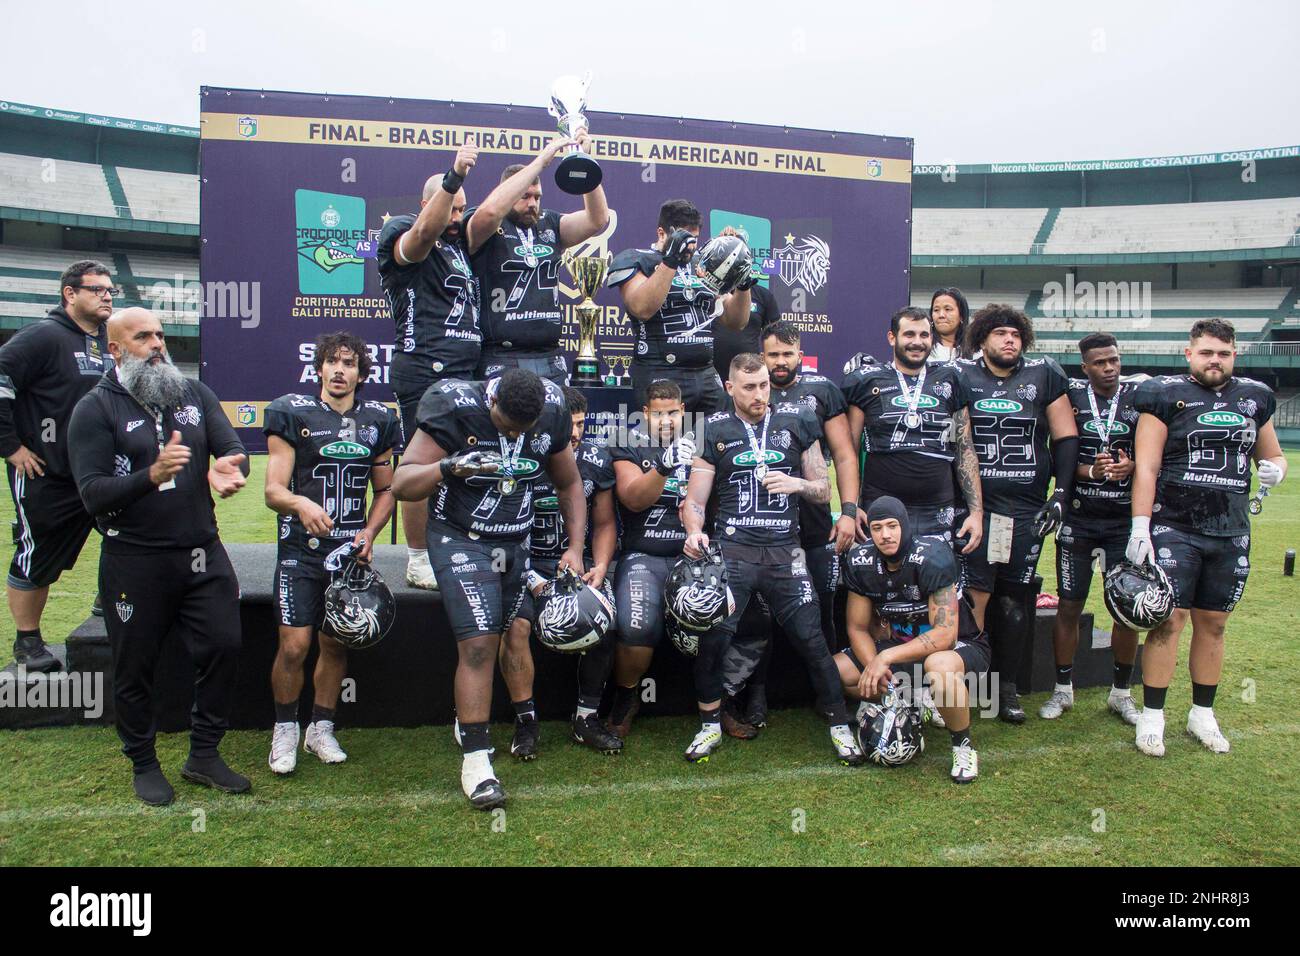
(747, 283)
(1051, 515)
(678, 248)
(471, 463)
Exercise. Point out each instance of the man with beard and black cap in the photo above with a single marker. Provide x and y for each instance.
(141, 440)
(905, 609)
(515, 249)
(434, 298)
(44, 371)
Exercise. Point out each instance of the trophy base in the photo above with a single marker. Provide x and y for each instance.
(586, 376)
(578, 174)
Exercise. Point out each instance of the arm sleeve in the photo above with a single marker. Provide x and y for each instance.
(91, 449)
(1065, 458)
(386, 253)
(18, 362)
(222, 439)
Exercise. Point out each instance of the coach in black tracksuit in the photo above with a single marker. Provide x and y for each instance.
(141, 442)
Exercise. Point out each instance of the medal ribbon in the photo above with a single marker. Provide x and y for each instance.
(913, 398)
(756, 444)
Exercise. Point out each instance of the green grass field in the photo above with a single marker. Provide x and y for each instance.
(1074, 791)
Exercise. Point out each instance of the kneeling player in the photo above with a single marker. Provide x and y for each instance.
(904, 607)
(323, 452)
(547, 544)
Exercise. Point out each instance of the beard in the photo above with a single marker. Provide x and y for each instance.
(903, 358)
(1211, 377)
(524, 220)
(153, 385)
(782, 378)
(997, 359)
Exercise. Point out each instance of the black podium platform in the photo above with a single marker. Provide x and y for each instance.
(406, 680)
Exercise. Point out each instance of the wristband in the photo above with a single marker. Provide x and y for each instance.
(452, 181)
(663, 469)
(848, 508)
(1141, 525)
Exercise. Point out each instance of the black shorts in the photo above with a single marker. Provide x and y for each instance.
(50, 527)
(1082, 547)
(481, 582)
(549, 365)
(639, 597)
(1208, 574)
(769, 572)
(300, 585)
(979, 575)
(702, 391)
(975, 653)
(410, 388)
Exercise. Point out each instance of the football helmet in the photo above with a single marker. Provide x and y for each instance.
(1139, 596)
(571, 615)
(723, 263)
(359, 607)
(697, 594)
(890, 733)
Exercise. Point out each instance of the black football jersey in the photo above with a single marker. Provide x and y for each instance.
(1009, 424)
(454, 413)
(332, 458)
(657, 530)
(902, 597)
(548, 539)
(911, 464)
(435, 303)
(680, 334)
(1108, 501)
(1205, 474)
(746, 512)
(518, 275)
(825, 400)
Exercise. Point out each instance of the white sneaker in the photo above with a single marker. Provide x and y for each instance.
(1150, 737)
(1057, 704)
(284, 748)
(965, 764)
(929, 711)
(846, 746)
(1124, 706)
(705, 742)
(1202, 725)
(479, 781)
(320, 740)
(419, 574)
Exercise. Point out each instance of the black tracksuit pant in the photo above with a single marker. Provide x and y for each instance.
(151, 597)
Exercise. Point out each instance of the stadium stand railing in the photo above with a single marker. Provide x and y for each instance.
(1176, 227)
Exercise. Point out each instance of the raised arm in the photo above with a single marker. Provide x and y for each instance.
(416, 243)
(488, 217)
(591, 220)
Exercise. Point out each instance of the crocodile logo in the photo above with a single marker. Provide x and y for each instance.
(330, 254)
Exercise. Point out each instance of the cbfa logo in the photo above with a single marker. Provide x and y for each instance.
(874, 169)
(329, 229)
(246, 414)
(247, 126)
(1224, 419)
(805, 263)
(998, 406)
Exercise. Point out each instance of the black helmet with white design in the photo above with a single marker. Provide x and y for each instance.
(686, 641)
(1139, 596)
(571, 615)
(723, 263)
(890, 733)
(359, 607)
(697, 594)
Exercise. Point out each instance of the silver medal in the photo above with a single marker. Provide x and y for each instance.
(760, 471)
(912, 420)
(530, 260)
(506, 485)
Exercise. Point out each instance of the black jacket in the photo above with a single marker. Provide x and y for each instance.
(114, 441)
(44, 371)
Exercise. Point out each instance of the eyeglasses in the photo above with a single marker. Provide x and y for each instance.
(101, 290)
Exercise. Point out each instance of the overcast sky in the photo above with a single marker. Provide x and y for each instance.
(970, 81)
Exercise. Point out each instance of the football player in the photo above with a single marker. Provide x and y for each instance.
(480, 448)
(821, 539)
(434, 299)
(1196, 436)
(323, 450)
(651, 470)
(547, 543)
(672, 312)
(905, 607)
(752, 466)
(1016, 404)
(515, 247)
(1096, 525)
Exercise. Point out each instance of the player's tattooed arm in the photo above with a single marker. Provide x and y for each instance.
(816, 482)
(968, 464)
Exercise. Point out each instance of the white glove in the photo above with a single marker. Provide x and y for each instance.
(1270, 473)
(1140, 550)
(679, 452)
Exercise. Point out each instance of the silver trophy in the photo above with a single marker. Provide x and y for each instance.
(577, 172)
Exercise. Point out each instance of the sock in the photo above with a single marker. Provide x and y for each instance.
(1153, 698)
(319, 713)
(525, 709)
(624, 697)
(36, 633)
(1203, 694)
(286, 713)
(584, 710)
(711, 719)
(1122, 676)
(417, 554)
(1067, 687)
(1064, 674)
(1206, 713)
(960, 738)
(474, 737)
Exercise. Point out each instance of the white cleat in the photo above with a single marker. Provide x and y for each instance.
(1150, 737)
(705, 742)
(1205, 728)
(965, 764)
(419, 574)
(846, 746)
(479, 781)
(284, 748)
(1124, 707)
(929, 711)
(320, 740)
(1057, 704)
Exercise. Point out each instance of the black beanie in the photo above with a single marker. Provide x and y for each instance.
(887, 507)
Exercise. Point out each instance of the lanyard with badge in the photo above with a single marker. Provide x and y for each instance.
(509, 461)
(1104, 430)
(759, 445)
(526, 238)
(170, 483)
(912, 419)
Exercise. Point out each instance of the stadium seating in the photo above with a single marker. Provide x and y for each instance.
(975, 298)
(965, 232)
(34, 182)
(160, 196)
(1175, 227)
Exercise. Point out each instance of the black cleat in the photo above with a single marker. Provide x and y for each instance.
(590, 732)
(734, 724)
(32, 653)
(1009, 709)
(523, 746)
(97, 608)
(756, 709)
(621, 724)
(153, 788)
(213, 772)
(488, 795)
